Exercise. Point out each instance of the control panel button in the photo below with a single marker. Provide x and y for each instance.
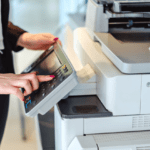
(43, 94)
(59, 73)
(53, 86)
(43, 89)
(65, 70)
(64, 66)
(49, 82)
(33, 103)
(62, 78)
(42, 85)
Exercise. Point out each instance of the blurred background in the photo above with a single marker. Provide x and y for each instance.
(59, 17)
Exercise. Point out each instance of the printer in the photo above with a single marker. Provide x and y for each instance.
(111, 111)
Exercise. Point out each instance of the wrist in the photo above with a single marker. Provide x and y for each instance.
(23, 39)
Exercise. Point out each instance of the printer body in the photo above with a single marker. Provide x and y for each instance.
(123, 32)
(116, 44)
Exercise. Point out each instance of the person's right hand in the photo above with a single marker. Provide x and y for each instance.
(11, 83)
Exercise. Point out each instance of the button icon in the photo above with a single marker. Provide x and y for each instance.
(28, 99)
(29, 102)
(64, 66)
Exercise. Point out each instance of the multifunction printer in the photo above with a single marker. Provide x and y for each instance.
(111, 111)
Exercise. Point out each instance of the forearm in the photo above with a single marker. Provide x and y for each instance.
(25, 39)
(13, 34)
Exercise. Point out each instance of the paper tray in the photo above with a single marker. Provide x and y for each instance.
(82, 107)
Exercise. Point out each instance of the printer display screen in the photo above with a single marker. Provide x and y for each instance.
(49, 65)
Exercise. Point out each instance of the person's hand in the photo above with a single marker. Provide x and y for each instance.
(41, 41)
(11, 83)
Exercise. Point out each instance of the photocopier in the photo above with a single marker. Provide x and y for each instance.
(111, 111)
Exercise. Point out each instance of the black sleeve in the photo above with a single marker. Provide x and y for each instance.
(13, 33)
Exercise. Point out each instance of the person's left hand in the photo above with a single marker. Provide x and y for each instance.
(41, 41)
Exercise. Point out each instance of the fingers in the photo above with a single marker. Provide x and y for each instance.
(51, 42)
(30, 86)
(33, 81)
(35, 72)
(57, 40)
(16, 91)
(8, 75)
(42, 78)
(23, 84)
(6, 87)
(30, 82)
(44, 42)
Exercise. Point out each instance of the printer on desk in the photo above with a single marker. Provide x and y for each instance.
(116, 44)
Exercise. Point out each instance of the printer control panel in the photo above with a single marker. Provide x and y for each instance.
(51, 62)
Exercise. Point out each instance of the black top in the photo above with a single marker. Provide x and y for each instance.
(11, 34)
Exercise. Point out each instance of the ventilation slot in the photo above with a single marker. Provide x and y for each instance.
(143, 148)
(141, 122)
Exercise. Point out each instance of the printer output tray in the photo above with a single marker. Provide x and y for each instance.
(130, 52)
